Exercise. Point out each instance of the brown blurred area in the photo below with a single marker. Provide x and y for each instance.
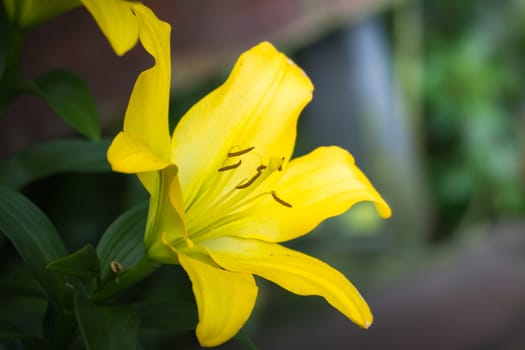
(206, 36)
(467, 298)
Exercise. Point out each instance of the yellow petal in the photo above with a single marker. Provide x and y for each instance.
(319, 185)
(117, 22)
(165, 224)
(224, 299)
(147, 113)
(128, 154)
(146, 134)
(257, 106)
(299, 273)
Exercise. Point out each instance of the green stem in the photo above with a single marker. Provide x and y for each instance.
(10, 67)
(14, 51)
(137, 273)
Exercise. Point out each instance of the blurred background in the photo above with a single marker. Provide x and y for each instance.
(429, 98)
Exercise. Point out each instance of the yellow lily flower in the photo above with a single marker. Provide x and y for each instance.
(224, 192)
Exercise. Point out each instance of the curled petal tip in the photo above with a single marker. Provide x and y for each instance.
(367, 324)
(365, 319)
(383, 210)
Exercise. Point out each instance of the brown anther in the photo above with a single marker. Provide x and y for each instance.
(240, 153)
(249, 182)
(261, 168)
(279, 200)
(230, 167)
(280, 168)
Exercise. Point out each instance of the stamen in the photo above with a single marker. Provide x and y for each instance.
(280, 168)
(241, 152)
(247, 183)
(250, 181)
(276, 163)
(279, 200)
(230, 167)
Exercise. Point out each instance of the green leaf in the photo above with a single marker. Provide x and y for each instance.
(172, 316)
(107, 327)
(124, 279)
(51, 158)
(70, 98)
(23, 304)
(168, 315)
(34, 237)
(59, 327)
(123, 240)
(26, 286)
(82, 263)
(10, 331)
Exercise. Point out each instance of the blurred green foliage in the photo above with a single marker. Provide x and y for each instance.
(474, 60)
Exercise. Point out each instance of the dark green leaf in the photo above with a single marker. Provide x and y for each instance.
(124, 278)
(82, 263)
(58, 327)
(23, 287)
(34, 237)
(10, 331)
(168, 315)
(22, 303)
(123, 240)
(70, 98)
(172, 316)
(107, 327)
(52, 158)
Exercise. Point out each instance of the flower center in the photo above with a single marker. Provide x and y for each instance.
(227, 199)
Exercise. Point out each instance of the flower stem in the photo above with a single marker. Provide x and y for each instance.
(15, 42)
(11, 43)
(137, 273)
